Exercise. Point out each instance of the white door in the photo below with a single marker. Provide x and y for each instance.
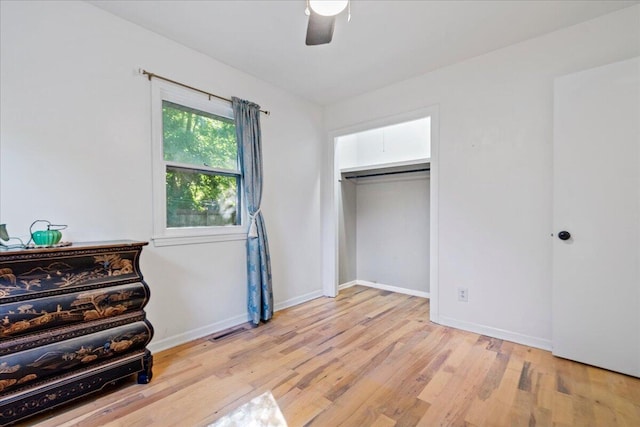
(596, 271)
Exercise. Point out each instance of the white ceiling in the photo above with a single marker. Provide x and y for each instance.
(385, 42)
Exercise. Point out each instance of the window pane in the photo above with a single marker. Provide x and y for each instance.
(201, 199)
(198, 138)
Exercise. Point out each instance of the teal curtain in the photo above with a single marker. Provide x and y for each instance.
(260, 293)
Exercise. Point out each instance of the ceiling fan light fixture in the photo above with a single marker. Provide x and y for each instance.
(328, 7)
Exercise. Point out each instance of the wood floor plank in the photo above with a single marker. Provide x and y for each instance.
(383, 421)
(299, 407)
(452, 405)
(479, 408)
(365, 358)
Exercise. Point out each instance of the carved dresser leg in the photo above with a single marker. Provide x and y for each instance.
(144, 376)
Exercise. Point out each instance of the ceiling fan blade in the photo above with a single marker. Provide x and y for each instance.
(319, 29)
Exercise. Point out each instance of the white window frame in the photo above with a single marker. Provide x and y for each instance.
(168, 236)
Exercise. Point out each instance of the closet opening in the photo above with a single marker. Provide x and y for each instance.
(383, 200)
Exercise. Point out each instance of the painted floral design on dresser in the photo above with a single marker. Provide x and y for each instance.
(53, 359)
(25, 317)
(33, 276)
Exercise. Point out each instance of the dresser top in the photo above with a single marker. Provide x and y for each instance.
(79, 246)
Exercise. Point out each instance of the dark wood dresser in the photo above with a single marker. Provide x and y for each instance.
(71, 322)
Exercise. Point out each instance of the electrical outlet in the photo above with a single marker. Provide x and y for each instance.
(463, 294)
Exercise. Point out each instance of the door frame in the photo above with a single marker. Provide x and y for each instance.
(330, 236)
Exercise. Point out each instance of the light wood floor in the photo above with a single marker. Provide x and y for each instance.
(366, 358)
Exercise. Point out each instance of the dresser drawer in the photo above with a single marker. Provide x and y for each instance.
(25, 317)
(48, 394)
(27, 276)
(27, 368)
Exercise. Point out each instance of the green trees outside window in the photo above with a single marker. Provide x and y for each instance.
(202, 171)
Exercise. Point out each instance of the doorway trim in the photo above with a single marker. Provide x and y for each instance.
(330, 238)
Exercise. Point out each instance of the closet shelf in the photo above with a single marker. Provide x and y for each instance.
(417, 165)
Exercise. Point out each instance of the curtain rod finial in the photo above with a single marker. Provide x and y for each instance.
(143, 72)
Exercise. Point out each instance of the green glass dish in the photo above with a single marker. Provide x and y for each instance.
(46, 237)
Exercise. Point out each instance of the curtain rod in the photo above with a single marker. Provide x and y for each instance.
(151, 75)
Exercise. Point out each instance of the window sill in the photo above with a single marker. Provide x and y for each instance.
(160, 241)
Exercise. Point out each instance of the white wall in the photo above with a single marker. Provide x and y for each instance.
(75, 148)
(393, 230)
(495, 154)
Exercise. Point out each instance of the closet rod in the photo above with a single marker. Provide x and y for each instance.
(387, 173)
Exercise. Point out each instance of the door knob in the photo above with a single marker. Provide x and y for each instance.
(564, 235)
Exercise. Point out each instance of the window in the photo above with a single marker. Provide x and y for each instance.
(202, 174)
(197, 179)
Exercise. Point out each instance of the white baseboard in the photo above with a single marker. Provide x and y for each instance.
(231, 322)
(384, 287)
(297, 300)
(502, 334)
(347, 285)
(194, 334)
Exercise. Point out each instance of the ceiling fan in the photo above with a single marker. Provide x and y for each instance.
(322, 18)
